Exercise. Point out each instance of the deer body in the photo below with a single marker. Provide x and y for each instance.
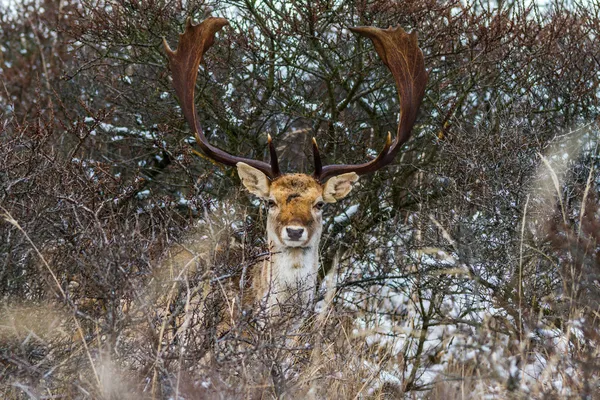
(295, 201)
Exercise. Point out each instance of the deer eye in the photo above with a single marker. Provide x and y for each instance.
(271, 204)
(320, 205)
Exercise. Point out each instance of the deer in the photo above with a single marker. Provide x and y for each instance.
(295, 201)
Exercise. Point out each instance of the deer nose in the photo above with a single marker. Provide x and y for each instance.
(294, 234)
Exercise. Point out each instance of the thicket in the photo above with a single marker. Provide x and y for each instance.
(469, 267)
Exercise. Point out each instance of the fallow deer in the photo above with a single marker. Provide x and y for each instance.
(295, 201)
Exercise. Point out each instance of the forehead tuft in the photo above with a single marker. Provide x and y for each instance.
(292, 186)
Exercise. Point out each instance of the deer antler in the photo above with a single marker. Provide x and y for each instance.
(184, 62)
(402, 55)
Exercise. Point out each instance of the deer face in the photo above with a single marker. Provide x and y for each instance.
(295, 203)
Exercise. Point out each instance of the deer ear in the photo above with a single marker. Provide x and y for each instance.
(254, 180)
(338, 187)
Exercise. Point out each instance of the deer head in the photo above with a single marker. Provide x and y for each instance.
(295, 203)
(296, 200)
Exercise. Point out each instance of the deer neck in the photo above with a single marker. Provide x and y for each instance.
(291, 271)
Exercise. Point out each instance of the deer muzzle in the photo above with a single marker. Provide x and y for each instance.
(294, 235)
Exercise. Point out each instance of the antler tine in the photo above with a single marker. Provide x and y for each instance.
(317, 159)
(184, 62)
(400, 52)
(273, 155)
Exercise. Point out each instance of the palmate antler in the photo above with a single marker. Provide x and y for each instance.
(398, 50)
(184, 62)
(402, 55)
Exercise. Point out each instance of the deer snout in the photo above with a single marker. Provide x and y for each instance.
(295, 233)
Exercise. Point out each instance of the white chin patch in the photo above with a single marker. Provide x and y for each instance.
(293, 243)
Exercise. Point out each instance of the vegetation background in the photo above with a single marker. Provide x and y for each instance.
(470, 268)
